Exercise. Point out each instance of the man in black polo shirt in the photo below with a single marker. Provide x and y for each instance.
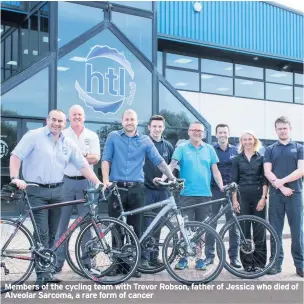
(155, 194)
(225, 153)
(283, 167)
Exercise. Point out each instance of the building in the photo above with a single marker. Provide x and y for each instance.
(239, 63)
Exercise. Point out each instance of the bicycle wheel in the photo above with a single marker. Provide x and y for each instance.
(255, 247)
(88, 262)
(152, 247)
(192, 271)
(115, 259)
(17, 258)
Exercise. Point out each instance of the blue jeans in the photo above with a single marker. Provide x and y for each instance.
(293, 207)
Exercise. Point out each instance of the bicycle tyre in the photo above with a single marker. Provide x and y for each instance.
(269, 228)
(101, 279)
(25, 232)
(220, 250)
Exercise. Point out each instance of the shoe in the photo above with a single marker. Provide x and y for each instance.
(299, 272)
(56, 270)
(51, 279)
(116, 271)
(145, 264)
(182, 264)
(274, 270)
(208, 261)
(257, 268)
(40, 282)
(136, 274)
(249, 269)
(156, 263)
(200, 265)
(235, 263)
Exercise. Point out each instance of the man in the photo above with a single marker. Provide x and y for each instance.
(124, 153)
(197, 161)
(225, 153)
(74, 182)
(284, 167)
(45, 153)
(155, 194)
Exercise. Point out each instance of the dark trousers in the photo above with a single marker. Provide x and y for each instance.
(198, 213)
(250, 196)
(293, 207)
(233, 232)
(47, 220)
(153, 196)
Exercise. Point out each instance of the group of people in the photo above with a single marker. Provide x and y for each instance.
(136, 162)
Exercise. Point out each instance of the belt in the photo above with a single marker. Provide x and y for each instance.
(75, 177)
(55, 185)
(129, 184)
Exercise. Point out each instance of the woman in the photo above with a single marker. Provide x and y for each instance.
(248, 173)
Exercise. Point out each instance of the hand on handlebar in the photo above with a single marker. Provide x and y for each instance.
(107, 184)
(21, 184)
(156, 181)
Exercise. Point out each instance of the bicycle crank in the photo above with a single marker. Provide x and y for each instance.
(47, 261)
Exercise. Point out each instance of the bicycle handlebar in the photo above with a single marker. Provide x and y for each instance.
(231, 187)
(178, 183)
(92, 194)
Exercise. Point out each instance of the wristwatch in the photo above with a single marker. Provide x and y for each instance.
(264, 196)
(13, 177)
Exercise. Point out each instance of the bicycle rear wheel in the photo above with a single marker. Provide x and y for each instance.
(17, 258)
(115, 259)
(192, 271)
(260, 239)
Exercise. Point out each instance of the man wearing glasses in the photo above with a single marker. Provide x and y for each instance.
(197, 161)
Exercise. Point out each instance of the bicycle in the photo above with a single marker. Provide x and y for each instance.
(182, 241)
(20, 245)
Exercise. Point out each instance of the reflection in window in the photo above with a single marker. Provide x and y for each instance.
(137, 29)
(278, 76)
(183, 80)
(30, 98)
(248, 71)
(105, 83)
(249, 88)
(217, 84)
(44, 30)
(160, 62)
(182, 61)
(299, 92)
(146, 5)
(75, 19)
(299, 79)
(34, 42)
(278, 92)
(25, 57)
(216, 67)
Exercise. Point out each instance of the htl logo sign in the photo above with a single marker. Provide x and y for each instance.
(106, 92)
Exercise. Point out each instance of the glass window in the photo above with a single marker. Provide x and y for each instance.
(279, 77)
(217, 84)
(30, 98)
(248, 71)
(299, 79)
(183, 80)
(299, 95)
(160, 62)
(278, 92)
(249, 88)
(137, 29)
(8, 51)
(33, 43)
(105, 78)
(146, 5)
(182, 61)
(44, 30)
(75, 19)
(216, 67)
(25, 57)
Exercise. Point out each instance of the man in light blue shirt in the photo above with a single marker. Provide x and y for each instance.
(45, 153)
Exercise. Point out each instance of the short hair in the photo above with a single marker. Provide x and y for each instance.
(76, 107)
(128, 111)
(57, 110)
(196, 123)
(282, 119)
(257, 144)
(221, 126)
(158, 118)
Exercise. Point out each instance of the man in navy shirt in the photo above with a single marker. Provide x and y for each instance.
(225, 153)
(284, 167)
(124, 153)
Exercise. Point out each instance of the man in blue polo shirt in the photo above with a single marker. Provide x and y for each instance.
(197, 161)
(124, 153)
(225, 153)
(284, 167)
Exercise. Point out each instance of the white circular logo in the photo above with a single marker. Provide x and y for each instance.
(3, 148)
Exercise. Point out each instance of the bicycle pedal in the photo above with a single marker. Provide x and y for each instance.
(95, 271)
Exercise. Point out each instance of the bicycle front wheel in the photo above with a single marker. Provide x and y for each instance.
(187, 266)
(17, 258)
(257, 246)
(115, 259)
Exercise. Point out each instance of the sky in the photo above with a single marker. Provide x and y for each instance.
(296, 4)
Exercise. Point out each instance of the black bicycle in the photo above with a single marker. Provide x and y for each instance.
(21, 252)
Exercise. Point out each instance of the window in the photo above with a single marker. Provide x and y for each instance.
(279, 77)
(183, 80)
(249, 88)
(248, 71)
(278, 92)
(299, 79)
(182, 61)
(137, 29)
(160, 62)
(145, 5)
(44, 45)
(34, 38)
(216, 67)
(217, 84)
(299, 92)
